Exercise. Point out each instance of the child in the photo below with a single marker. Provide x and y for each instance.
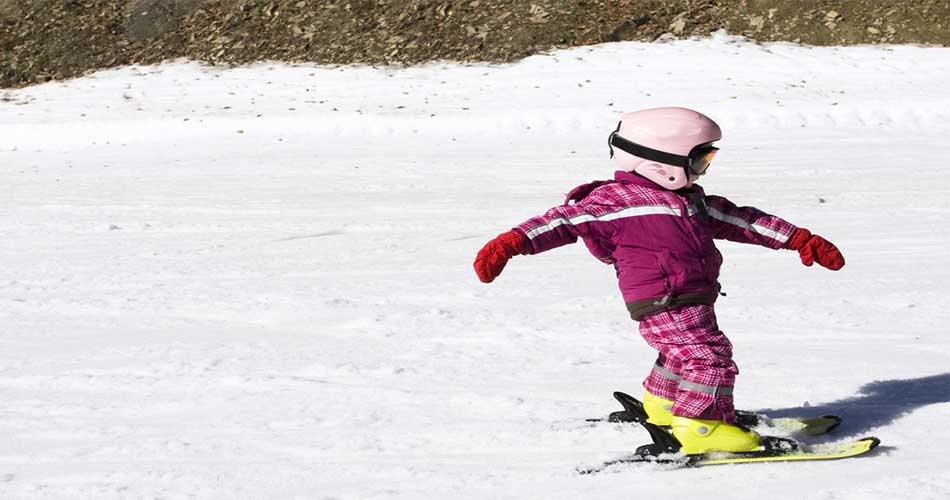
(656, 227)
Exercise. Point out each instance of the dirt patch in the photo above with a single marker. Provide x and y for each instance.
(42, 40)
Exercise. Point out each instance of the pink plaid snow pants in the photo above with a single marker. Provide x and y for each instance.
(695, 368)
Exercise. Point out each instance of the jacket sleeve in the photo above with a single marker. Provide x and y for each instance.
(562, 225)
(747, 224)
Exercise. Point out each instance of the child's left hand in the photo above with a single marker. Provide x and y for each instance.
(813, 248)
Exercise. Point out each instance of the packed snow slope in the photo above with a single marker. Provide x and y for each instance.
(256, 283)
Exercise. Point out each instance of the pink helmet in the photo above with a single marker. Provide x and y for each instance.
(665, 145)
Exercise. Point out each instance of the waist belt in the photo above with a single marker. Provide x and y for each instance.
(641, 308)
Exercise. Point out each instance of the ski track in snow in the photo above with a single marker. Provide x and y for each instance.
(256, 282)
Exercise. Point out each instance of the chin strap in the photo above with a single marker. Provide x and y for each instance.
(699, 201)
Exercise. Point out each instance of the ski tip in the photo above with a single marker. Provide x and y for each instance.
(873, 442)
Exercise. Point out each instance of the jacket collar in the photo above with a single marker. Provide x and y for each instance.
(624, 177)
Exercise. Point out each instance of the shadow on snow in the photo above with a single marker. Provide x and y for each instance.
(877, 404)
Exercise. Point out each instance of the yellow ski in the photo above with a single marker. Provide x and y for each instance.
(666, 449)
(831, 451)
(809, 426)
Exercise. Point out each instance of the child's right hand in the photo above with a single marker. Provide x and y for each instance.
(491, 259)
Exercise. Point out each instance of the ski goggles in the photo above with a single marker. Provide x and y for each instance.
(701, 159)
(696, 162)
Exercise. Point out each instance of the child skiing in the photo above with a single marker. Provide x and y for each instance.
(656, 227)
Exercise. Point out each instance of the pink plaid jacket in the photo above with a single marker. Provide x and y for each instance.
(659, 241)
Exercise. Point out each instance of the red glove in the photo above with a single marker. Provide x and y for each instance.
(813, 248)
(491, 259)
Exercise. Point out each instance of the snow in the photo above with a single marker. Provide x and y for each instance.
(256, 282)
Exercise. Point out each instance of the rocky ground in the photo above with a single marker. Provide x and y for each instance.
(41, 40)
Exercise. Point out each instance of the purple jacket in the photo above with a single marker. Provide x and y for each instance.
(659, 241)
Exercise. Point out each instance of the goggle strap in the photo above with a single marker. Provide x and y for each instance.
(648, 153)
(610, 139)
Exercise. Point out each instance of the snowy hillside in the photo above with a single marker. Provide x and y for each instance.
(256, 283)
